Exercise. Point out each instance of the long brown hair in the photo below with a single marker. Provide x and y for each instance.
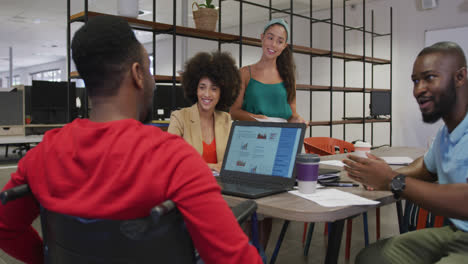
(287, 70)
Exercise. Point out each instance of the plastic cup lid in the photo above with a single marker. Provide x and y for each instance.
(362, 144)
(307, 158)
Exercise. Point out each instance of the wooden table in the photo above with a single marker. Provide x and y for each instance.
(294, 208)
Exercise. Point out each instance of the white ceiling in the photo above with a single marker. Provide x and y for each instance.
(36, 29)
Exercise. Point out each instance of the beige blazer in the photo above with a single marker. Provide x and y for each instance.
(186, 123)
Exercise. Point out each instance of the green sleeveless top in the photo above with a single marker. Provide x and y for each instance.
(266, 99)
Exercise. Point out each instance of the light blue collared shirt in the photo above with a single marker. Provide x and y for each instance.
(448, 158)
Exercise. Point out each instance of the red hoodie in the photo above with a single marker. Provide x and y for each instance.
(120, 170)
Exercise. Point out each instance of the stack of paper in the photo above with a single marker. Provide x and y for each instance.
(271, 119)
(389, 160)
(337, 163)
(334, 198)
(397, 160)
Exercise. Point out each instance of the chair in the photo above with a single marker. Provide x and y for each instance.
(324, 146)
(415, 218)
(161, 236)
(19, 148)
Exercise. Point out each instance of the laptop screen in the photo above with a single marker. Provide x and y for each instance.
(263, 149)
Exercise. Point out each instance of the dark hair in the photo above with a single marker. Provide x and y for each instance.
(446, 47)
(220, 68)
(287, 69)
(103, 51)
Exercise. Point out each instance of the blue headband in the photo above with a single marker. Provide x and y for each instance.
(281, 22)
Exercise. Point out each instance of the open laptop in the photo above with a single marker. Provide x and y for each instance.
(260, 158)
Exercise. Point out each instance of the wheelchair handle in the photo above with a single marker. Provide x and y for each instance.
(162, 209)
(14, 193)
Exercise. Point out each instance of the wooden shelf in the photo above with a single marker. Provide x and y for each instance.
(74, 75)
(251, 41)
(378, 61)
(306, 87)
(323, 55)
(166, 78)
(342, 122)
(141, 24)
(166, 28)
(298, 49)
(211, 35)
(382, 120)
(157, 78)
(354, 57)
(205, 34)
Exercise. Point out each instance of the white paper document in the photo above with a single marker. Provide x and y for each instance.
(337, 163)
(333, 198)
(389, 160)
(271, 119)
(397, 160)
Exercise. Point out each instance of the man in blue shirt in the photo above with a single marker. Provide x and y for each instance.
(441, 90)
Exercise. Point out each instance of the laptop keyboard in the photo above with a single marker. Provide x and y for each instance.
(254, 184)
(244, 188)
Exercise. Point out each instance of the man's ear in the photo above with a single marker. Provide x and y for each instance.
(136, 73)
(460, 77)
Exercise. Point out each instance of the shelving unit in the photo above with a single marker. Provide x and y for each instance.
(176, 30)
(157, 78)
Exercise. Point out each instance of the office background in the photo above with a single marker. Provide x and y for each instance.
(20, 21)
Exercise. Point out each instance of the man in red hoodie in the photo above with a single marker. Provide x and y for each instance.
(111, 166)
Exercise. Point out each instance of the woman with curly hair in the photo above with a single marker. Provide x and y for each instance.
(211, 82)
(268, 87)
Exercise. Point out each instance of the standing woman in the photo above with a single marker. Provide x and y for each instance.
(211, 82)
(268, 87)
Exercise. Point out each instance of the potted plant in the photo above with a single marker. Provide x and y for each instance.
(205, 16)
(128, 8)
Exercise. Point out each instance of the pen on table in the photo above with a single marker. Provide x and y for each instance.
(340, 184)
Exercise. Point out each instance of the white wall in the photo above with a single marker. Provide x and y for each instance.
(24, 73)
(409, 27)
(164, 55)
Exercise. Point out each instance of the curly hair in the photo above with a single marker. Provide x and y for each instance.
(286, 68)
(220, 68)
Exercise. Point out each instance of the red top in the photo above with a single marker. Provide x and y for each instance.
(209, 152)
(119, 170)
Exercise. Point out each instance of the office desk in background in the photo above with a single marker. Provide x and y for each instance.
(162, 124)
(294, 208)
(23, 142)
(5, 140)
(40, 129)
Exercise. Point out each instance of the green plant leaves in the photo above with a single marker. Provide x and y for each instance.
(207, 4)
